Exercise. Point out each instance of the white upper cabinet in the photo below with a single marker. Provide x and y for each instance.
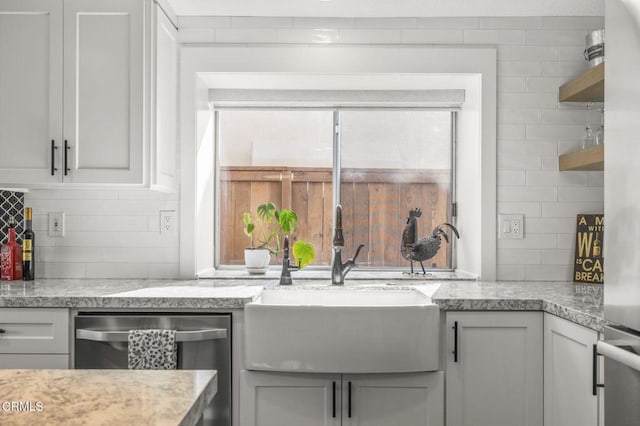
(103, 91)
(164, 126)
(30, 90)
(88, 93)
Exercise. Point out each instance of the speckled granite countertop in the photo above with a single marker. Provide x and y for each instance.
(105, 397)
(130, 294)
(576, 302)
(580, 303)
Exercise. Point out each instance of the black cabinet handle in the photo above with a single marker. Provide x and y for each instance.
(333, 410)
(66, 160)
(455, 341)
(349, 396)
(53, 157)
(2, 331)
(594, 381)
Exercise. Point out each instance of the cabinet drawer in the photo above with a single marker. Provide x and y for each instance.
(34, 331)
(21, 361)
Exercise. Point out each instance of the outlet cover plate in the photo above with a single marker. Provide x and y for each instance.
(168, 223)
(56, 224)
(511, 226)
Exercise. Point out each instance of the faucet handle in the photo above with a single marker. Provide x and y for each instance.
(355, 256)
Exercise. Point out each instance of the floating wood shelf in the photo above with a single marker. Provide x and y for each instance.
(588, 87)
(591, 159)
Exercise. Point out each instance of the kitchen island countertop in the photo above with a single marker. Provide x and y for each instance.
(105, 397)
(580, 303)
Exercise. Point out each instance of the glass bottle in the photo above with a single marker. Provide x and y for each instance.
(600, 132)
(11, 255)
(28, 248)
(587, 139)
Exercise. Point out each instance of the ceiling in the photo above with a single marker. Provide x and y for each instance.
(388, 8)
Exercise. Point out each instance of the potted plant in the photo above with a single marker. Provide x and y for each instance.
(265, 231)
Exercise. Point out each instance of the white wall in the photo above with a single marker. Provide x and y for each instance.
(386, 8)
(114, 233)
(535, 56)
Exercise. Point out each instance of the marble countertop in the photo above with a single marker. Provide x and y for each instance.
(105, 397)
(576, 302)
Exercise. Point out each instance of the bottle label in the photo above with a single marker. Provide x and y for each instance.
(26, 250)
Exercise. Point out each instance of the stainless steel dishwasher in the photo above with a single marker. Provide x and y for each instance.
(204, 343)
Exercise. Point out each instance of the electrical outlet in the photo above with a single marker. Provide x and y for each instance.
(167, 221)
(511, 226)
(56, 224)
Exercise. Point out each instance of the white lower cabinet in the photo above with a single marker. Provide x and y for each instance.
(494, 369)
(279, 399)
(284, 399)
(569, 395)
(393, 399)
(37, 361)
(34, 338)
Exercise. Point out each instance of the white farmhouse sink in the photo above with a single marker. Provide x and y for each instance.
(342, 331)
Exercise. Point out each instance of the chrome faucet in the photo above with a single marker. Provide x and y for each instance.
(340, 270)
(285, 275)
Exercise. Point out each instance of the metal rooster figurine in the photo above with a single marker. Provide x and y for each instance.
(416, 249)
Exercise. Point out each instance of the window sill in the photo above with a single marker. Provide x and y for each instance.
(274, 273)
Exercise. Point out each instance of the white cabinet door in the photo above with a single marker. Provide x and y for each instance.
(103, 91)
(279, 399)
(568, 374)
(393, 399)
(30, 91)
(22, 361)
(494, 378)
(164, 127)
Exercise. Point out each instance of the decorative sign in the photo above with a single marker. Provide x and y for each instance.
(589, 233)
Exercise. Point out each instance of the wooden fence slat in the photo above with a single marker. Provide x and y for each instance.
(327, 223)
(374, 209)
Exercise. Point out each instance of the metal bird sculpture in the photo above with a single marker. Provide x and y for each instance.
(416, 249)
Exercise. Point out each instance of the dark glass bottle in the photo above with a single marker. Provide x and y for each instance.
(28, 248)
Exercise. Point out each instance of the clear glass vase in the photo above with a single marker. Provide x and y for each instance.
(588, 139)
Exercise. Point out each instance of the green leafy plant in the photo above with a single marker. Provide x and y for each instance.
(268, 228)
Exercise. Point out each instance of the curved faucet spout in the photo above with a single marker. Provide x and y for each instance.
(338, 269)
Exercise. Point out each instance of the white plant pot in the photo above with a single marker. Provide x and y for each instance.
(257, 260)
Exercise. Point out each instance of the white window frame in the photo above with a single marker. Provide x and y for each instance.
(473, 68)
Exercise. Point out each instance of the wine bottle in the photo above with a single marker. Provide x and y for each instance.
(28, 248)
(11, 255)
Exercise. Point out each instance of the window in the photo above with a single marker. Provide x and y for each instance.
(388, 162)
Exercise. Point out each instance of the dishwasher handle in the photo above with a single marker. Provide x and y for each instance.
(123, 336)
(619, 354)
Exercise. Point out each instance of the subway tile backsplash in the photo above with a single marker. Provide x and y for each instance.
(115, 234)
(108, 234)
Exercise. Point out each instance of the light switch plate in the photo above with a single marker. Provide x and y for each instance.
(511, 226)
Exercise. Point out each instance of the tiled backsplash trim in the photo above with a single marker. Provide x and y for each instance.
(11, 205)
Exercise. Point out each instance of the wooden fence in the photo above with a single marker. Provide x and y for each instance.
(375, 205)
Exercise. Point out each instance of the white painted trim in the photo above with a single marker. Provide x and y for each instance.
(479, 63)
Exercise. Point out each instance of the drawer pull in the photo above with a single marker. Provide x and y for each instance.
(123, 336)
(2, 331)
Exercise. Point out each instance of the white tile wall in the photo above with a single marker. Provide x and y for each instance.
(116, 233)
(109, 234)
